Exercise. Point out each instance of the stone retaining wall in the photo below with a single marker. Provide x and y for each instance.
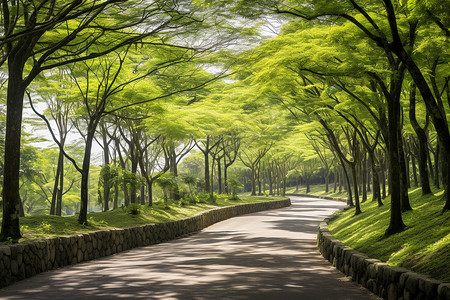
(20, 261)
(383, 280)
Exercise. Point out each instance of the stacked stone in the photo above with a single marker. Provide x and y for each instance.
(20, 261)
(378, 277)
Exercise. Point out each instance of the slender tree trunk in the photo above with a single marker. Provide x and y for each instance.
(258, 177)
(142, 195)
(430, 165)
(436, 165)
(55, 187)
(269, 175)
(207, 180)
(376, 180)
(383, 178)
(84, 198)
(422, 142)
(253, 180)
(150, 193)
(355, 189)
(364, 178)
(308, 188)
(225, 178)
(406, 206)
(116, 194)
(414, 170)
(61, 189)
(106, 184)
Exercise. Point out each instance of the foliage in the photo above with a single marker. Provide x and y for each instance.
(234, 185)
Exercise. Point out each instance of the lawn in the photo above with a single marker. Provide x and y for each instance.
(319, 190)
(423, 247)
(40, 227)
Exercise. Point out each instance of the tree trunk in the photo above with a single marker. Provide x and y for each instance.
(219, 175)
(258, 177)
(11, 196)
(269, 175)
(414, 170)
(253, 179)
(436, 164)
(376, 180)
(396, 222)
(61, 188)
(308, 188)
(142, 195)
(225, 178)
(364, 178)
(207, 182)
(355, 189)
(56, 186)
(423, 144)
(406, 206)
(84, 197)
(106, 185)
(150, 192)
(116, 194)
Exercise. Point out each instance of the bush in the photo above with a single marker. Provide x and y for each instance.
(233, 197)
(203, 197)
(190, 199)
(133, 208)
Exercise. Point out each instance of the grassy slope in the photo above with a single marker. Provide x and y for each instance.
(319, 190)
(39, 227)
(423, 247)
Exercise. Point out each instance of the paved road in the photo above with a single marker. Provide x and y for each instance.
(266, 255)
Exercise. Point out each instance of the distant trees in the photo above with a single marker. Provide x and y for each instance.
(353, 63)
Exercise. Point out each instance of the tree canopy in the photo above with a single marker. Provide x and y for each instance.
(186, 99)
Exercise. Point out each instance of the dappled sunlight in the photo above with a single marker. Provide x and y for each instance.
(270, 255)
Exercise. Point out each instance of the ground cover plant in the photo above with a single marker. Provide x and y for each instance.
(424, 247)
(45, 226)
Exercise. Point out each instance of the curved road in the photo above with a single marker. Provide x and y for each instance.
(266, 255)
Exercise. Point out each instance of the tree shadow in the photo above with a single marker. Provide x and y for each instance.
(258, 256)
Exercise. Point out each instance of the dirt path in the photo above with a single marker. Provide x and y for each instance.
(266, 255)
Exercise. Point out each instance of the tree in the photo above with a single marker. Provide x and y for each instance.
(49, 34)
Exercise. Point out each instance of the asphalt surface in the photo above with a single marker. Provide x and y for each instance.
(266, 255)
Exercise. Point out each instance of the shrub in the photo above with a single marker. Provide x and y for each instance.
(133, 208)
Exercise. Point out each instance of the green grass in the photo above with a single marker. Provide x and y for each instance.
(40, 227)
(424, 247)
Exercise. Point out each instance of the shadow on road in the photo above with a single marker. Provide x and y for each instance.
(268, 255)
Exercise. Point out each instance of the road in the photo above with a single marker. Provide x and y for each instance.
(265, 255)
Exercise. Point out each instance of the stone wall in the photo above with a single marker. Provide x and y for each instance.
(383, 280)
(20, 261)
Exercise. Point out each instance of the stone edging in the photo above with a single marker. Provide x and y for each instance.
(20, 261)
(378, 277)
(381, 279)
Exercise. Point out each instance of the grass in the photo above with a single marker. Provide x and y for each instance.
(319, 190)
(424, 247)
(41, 227)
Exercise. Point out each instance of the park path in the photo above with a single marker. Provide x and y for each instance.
(265, 255)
